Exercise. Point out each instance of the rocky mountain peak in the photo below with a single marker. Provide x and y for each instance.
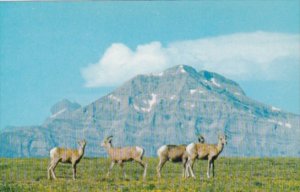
(219, 81)
(180, 69)
(175, 79)
(64, 105)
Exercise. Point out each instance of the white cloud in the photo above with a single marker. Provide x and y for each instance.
(258, 55)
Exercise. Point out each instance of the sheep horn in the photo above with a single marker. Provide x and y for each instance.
(109, 138)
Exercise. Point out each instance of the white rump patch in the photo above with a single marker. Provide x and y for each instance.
(237, 93)
(161, 150)
(52, 152)
(139, 150)
(190, 147)
(215, 82)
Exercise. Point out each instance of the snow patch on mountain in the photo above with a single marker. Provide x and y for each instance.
(288, 125)
(112, 97)
(173, 97)
(58, 113)
(213, 80)
(151, 103)
(157, 74)
(275, 122)
(192, 91)
(275, 108)
(181, 69)
(136, 107)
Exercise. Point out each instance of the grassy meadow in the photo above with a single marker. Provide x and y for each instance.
(232, 174)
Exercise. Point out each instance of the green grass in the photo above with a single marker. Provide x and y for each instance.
(232, 174)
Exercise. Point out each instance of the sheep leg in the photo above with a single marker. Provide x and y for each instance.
(186, 167)
(74, 171)
(144, 165)
(191, 166)
(212, 166)
(49, 170)
(54, 164)
(110, 168)
(123, 170)
(187, 172)
(184, 170)
(160, 166)
(208, 168)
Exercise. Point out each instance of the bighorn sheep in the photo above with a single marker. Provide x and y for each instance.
(72, 156)
(208, 152)
(121, 155)
(174, 153)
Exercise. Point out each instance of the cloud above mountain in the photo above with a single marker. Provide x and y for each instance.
(241, 56)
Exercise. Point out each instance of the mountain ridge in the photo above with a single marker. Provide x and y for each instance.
(170, 107)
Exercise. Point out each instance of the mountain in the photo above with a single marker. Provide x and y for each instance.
(170, 107)
(64, 105)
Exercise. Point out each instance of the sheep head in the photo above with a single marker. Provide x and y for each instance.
(107, 141)
(222, 139)
(82, 143)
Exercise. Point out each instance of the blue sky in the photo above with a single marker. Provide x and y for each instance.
(50, 51)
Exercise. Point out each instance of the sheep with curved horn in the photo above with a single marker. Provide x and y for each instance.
(124, 154)
(205, 151)
(174, 153)
(72, 156)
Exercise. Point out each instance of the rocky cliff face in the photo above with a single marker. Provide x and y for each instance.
(170, 107)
